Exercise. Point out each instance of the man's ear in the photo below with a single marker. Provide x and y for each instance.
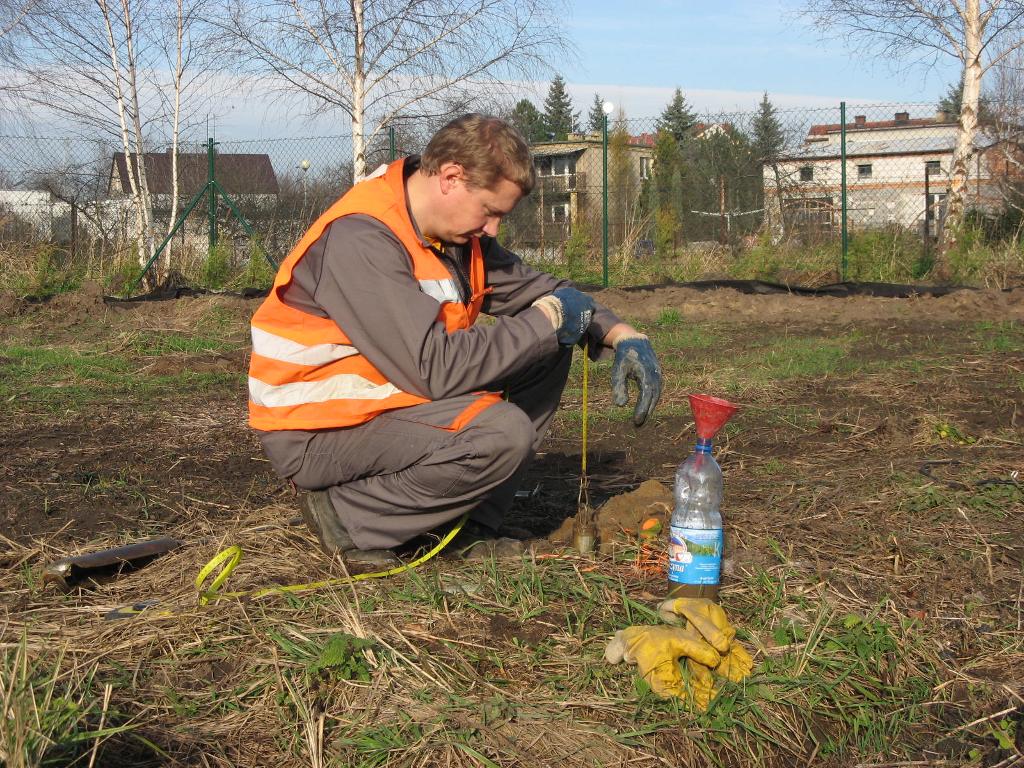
(450, 174)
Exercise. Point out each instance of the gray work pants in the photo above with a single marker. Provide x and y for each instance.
(401, 474)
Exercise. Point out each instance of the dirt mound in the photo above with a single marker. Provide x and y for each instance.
(67, 310)
(1008, 305)
(622, 515)
(84, 302)
(670, 303)
(730, 305)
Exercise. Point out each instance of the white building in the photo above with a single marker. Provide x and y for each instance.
(36, 215)
(897, 174)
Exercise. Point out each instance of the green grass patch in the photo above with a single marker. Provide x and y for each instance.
(1006, 336)
(784, 358)
(51, 716)
(151, 343)
(62, 378)
(681, 337)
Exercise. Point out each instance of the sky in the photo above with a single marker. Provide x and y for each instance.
(725, 54)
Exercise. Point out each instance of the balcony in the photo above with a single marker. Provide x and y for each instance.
(563, 183)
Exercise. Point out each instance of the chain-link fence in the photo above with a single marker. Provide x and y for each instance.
(641, 194)
(785, 180)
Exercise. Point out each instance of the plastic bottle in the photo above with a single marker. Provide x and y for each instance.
(695, 533)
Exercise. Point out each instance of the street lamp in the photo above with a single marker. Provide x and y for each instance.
(607, 108)
(304, 166)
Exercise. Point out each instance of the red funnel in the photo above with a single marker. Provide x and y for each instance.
(710, 414)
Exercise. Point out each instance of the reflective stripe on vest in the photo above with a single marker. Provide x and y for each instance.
(344, 386)
(441, 290)
(276, 347)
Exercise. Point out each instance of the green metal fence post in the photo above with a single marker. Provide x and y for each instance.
(392, 148)
(842, 191)
(177, 225)
(927, 214)
(604, 199)
(211, 177)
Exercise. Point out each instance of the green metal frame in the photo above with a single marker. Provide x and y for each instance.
(604, 201)
(212, 189)
(842, 191)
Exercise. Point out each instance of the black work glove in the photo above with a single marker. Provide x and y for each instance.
(635, 361)
(570, 312)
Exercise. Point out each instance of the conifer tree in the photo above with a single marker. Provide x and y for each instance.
(529, 121)
(559, 119)
(769, 138)
(595, 118)
(953, 102)
(677, 118)
(667, 186)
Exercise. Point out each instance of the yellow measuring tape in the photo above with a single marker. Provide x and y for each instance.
(224, 562)
(584, 497)
(586, 376)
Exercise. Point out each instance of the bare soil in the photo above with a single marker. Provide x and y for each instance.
(843, 478)
(112, 468)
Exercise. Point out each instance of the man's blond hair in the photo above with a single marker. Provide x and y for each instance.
(488, 149)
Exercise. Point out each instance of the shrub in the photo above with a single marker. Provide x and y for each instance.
(216, 271)
(258, 272)
(40, 269)
(890, 255)
(576, 248)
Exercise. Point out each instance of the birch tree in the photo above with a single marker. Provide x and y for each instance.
(379, 60)
(979, 34)
(185, 45)
(1005, 127)
(118, 69)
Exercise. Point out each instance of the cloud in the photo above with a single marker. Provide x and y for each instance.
(640, 101)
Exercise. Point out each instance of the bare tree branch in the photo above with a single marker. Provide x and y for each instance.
(980, 34)
(125, 70)
(378, 60)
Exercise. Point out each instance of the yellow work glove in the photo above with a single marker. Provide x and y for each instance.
(656, 652)
(709, 620)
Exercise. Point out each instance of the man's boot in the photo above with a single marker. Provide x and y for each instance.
(319, 515)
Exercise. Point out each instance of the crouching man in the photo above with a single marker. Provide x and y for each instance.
(371, 385)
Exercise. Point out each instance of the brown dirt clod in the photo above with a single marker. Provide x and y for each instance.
(622, 515)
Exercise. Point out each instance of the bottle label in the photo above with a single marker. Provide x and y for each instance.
(694, 555)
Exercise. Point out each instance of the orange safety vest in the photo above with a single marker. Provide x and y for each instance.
(304, 372)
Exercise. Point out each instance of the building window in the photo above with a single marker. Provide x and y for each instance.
(645, 168)
(556, 166)
(563, 166)
(560, 213)
(811, 213)
(807, 173)
(864, 171)
(932, 167)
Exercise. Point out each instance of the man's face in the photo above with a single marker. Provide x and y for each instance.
(471, 211)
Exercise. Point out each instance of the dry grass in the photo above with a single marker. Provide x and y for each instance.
(875, 573)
